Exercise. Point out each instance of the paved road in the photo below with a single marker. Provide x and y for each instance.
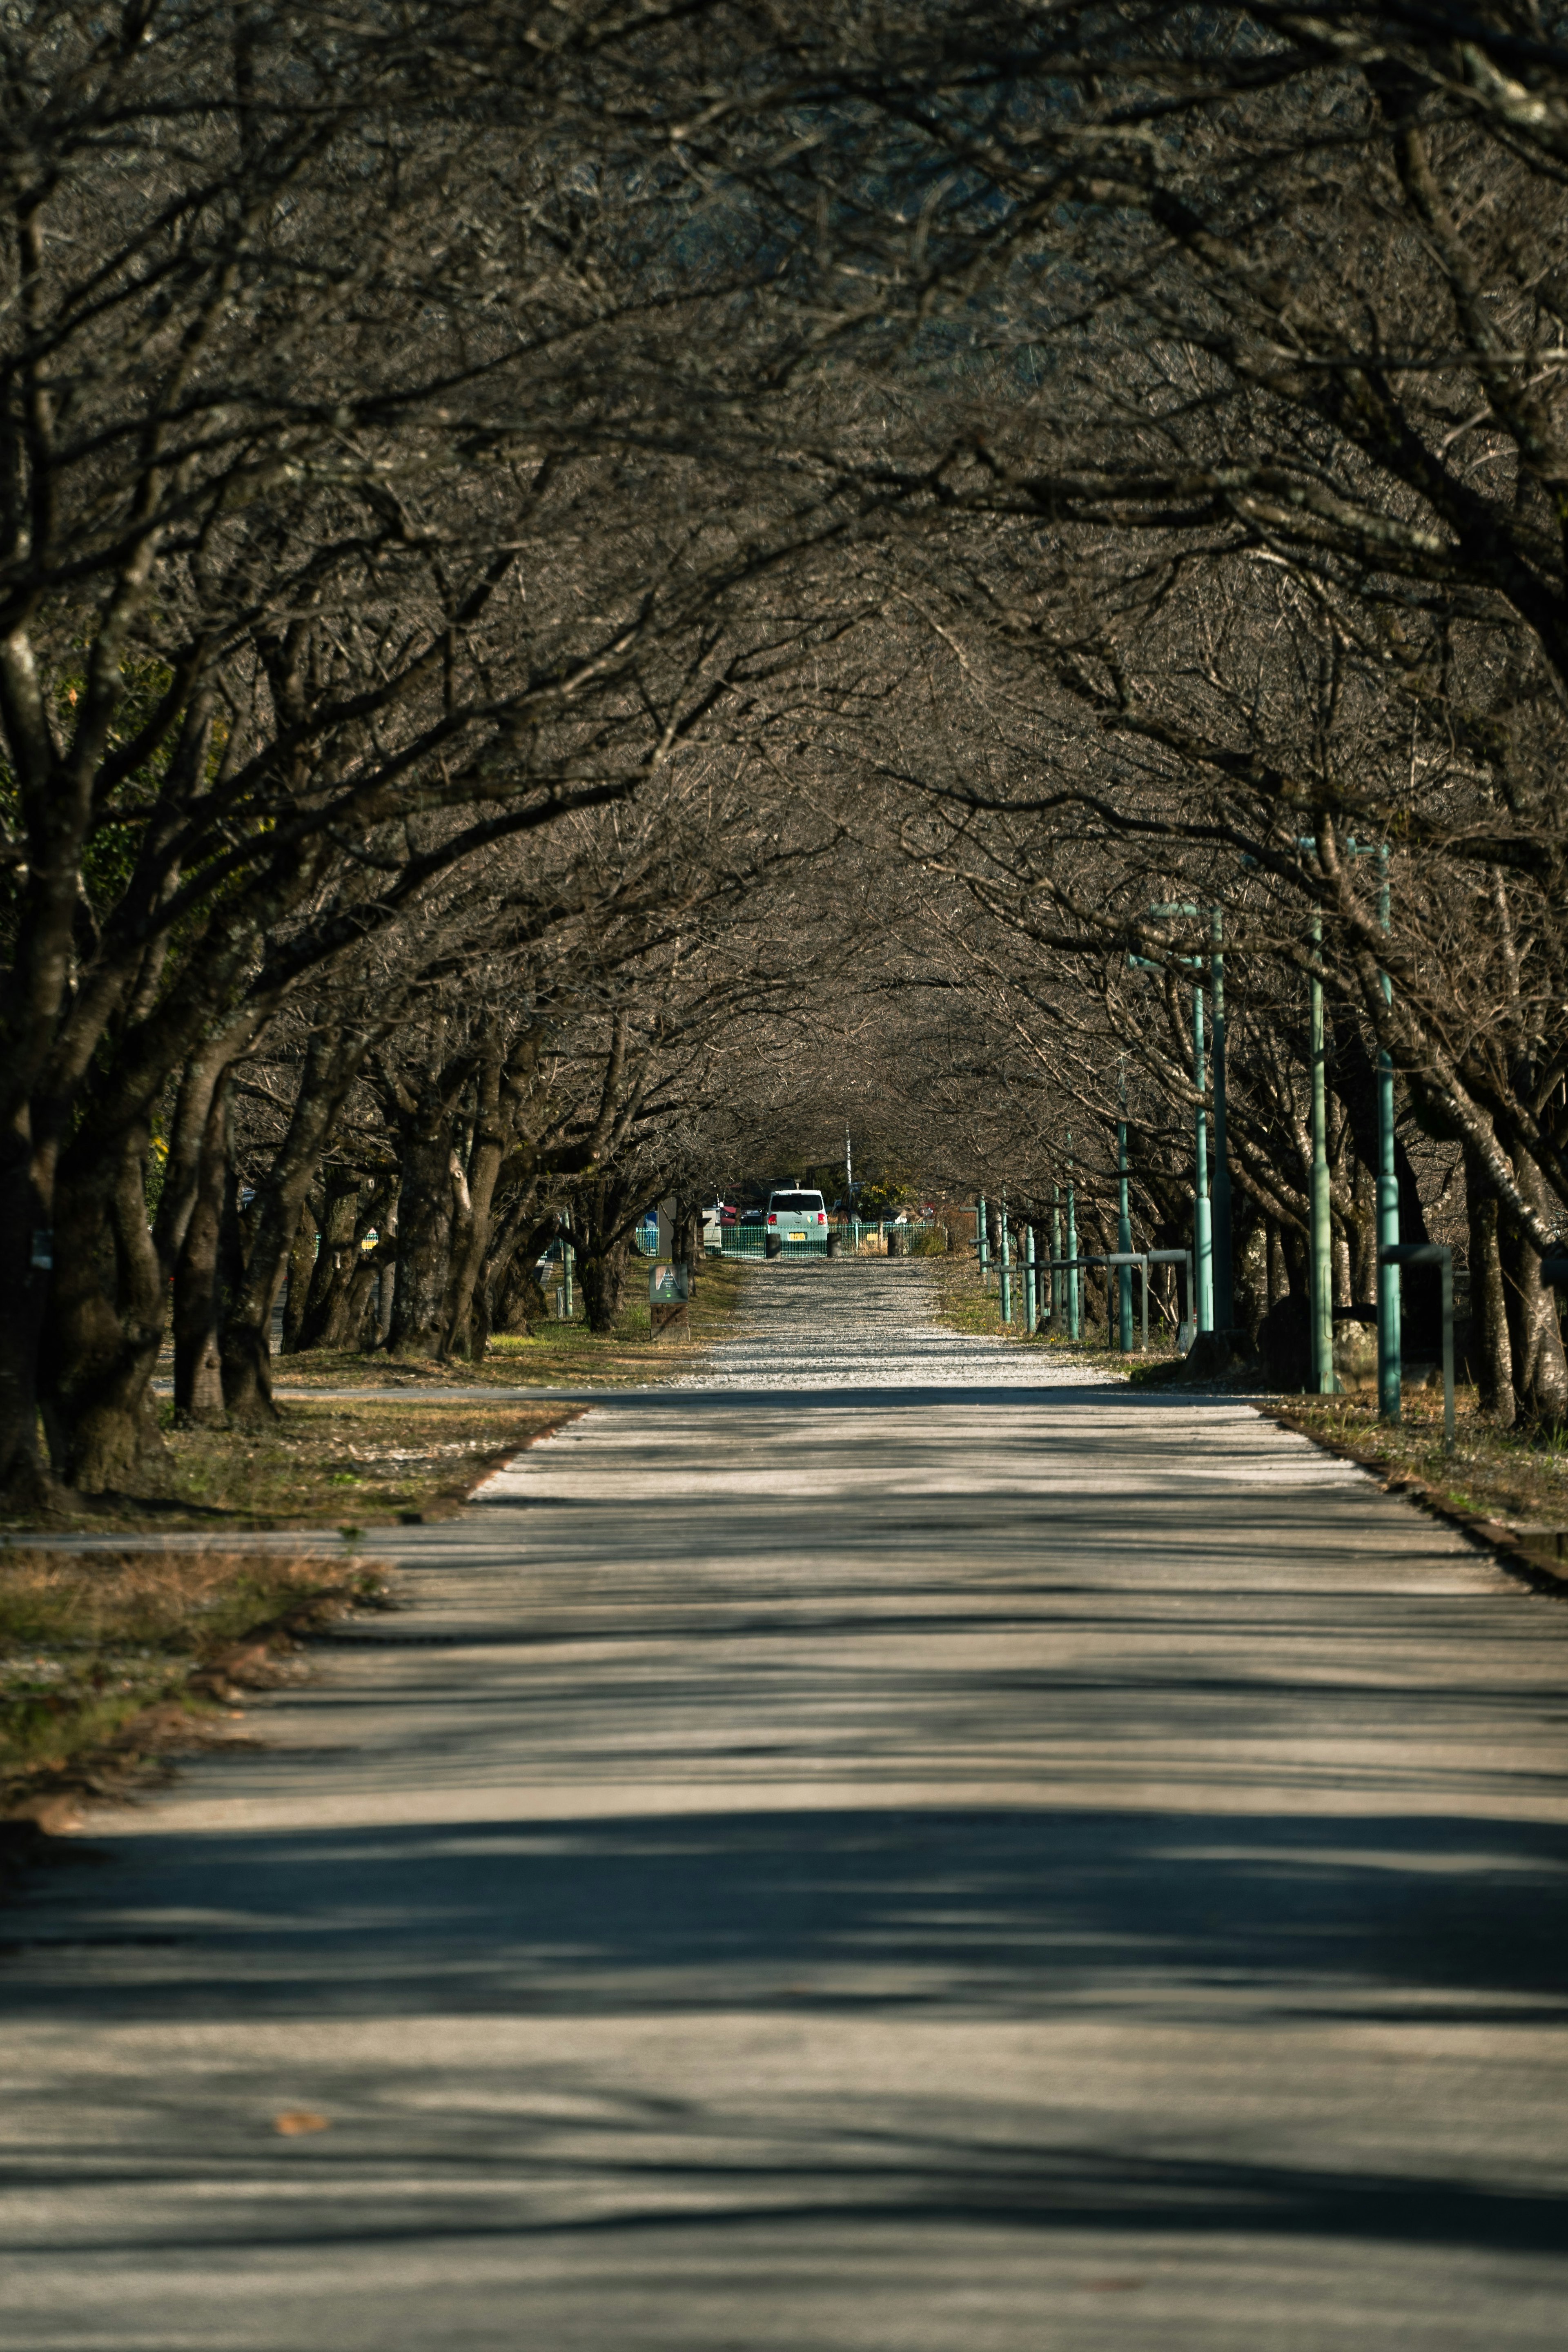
(860, 1851)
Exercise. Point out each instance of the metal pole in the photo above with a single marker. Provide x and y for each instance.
(1123, 1227)
(980, 1228)
(1007, 1264)
(1031, 1285)
(1073, 1294)
(1223, 1264)
(1322, 1265)
(1203, 1231)
(1055, 1252)
(1439, 1255)
(565, 1281)
(1390, 1333)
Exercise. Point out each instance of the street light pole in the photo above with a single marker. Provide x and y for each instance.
(1390, 1335)
(1224, 1268)
(1323, 1266)
(1203, 1230)
(1056, 1255)
(1073, 1318)
(1123, 1227)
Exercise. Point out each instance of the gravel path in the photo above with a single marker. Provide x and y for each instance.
(863, 1852)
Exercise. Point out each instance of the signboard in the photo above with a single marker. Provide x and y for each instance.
(669, 1285)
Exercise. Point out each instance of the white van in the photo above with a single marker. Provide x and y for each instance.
(797, 1216)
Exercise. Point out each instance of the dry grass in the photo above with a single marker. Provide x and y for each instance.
(1518, 1479)
(107, 1658)
(968, 1301)
(563, 1355)
(344, 1465)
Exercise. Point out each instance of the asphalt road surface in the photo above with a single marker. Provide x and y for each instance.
(859, 1850)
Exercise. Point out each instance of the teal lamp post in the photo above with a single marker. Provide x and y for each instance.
(1390, 1335)
(1224, 1265)
(1390, 1305)
(1007, 1264)
(1322, 1263)
(1031, 1282)
(1055, 1256)
(1074, 1326)
(1205, 1228)
(980, 1229)
(1123, 1227)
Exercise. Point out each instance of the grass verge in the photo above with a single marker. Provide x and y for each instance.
(110, 1659)
(970, 1301)
(557, 1355)
(1500, 1483)
(345, 1465)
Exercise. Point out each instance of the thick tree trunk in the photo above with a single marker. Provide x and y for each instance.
(246, 1343)
(1493, 1348)
(27, 1254)
(602, 1274)
(198, 1374)
(302, 1274)
(426, 1211)
(510, 1297)
(324, 1322)
(473, 1198)
(1540, 1366)
(105, 1326)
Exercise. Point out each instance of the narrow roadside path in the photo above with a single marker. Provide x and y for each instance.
(859, 1853)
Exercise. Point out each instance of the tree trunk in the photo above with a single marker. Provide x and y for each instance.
(245, 1345)
(106, 1323)
(301, 1272)
(1278, 1266)
(425, 1221)
(1540, 1366)
(687, 1237)
(324, 1323)
(1493, 1347)
(198, 1374)
(26, 1252)
(602, 1274)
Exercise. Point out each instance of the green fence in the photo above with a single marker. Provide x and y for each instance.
(751, 1241)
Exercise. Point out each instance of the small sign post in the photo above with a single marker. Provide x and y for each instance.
(668, 1290)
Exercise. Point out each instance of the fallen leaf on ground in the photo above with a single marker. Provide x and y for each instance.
(296, 2120)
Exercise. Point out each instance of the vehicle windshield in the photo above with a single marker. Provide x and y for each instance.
(795, 1201)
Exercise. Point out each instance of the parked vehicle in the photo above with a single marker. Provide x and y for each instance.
(797, 1216)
